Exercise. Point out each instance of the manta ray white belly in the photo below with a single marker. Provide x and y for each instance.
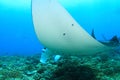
(59, 32)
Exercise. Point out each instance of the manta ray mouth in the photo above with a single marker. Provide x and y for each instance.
(59, 32)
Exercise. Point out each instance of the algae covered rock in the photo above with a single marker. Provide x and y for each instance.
(71, 71)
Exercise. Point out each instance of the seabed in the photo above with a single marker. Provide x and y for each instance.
(97, 67)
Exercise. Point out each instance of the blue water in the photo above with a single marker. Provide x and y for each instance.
(17, 35)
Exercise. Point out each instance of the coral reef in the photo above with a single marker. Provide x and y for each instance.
(97, 67)
(72, 71)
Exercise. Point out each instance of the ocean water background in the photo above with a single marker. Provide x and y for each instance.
(17, 35)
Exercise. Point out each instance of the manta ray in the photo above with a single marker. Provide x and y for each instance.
(60, 33)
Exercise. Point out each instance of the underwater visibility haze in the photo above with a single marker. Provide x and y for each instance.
(17, 35)
(63, 26)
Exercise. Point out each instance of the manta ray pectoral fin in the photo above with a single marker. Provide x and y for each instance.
(114, 39)
(59, 32)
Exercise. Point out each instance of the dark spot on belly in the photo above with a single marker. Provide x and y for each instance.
(72, 24)
(64, 34)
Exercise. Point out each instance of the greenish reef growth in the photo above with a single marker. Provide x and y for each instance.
(74, 71)
(98, 67)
